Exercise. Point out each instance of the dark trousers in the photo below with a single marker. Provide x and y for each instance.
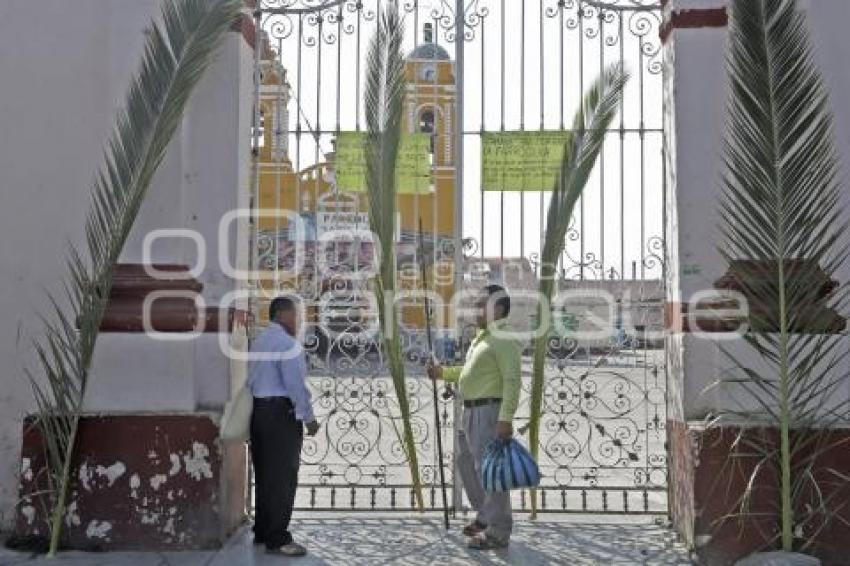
(276, 438)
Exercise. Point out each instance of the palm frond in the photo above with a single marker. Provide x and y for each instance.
(383, 102)
(780, 206)
(581, 150)
(176, 54)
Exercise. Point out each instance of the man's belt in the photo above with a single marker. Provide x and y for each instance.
(284, 402)
(467, 403)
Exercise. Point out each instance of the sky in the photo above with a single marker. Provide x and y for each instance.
(523, 56)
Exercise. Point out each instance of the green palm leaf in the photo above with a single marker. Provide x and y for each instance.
(599, 108)
(176, 54)
(780, 204)
(384, 96)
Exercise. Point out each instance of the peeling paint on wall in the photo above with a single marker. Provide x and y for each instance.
(113, 472)
(175, 465)
(150, 518)
(135, 482)
(98, 529)
(196, 463)
(72, 516)
(26, 469)
(87, 474)
(28, 511)
(172, 480)
(158, 480)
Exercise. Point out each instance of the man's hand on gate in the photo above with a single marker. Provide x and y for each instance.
(504, 430)
(312, 428)
(434, 370)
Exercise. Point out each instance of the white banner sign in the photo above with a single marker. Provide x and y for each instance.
(329, 221)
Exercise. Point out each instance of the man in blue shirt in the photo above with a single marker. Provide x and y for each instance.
(282, 407)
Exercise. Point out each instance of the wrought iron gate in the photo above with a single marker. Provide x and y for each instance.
(512, 65)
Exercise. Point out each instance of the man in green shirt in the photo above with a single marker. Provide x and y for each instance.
(489, 384)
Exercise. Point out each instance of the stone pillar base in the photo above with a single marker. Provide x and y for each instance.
(709, 472)
(143, 482)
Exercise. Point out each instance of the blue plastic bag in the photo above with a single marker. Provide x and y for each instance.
(508, 465)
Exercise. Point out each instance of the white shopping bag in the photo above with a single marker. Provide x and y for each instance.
(236, 421)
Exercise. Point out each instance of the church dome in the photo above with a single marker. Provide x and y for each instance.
(429, 52)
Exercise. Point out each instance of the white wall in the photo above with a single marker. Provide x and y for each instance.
(698, 84)
(65, 68)
(695, 95)
(208, 164)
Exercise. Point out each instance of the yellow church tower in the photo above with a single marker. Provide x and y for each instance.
(430, 108)
(312, 193)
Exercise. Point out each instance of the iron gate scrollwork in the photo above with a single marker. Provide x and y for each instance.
(525, 65)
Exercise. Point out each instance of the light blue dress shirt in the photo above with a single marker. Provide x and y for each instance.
(278, 368)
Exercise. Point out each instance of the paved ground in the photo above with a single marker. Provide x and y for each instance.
(356, 540)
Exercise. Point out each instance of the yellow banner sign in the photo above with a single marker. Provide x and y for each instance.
(413, 165)
(521, 161)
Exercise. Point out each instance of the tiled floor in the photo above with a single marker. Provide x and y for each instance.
(356, 540)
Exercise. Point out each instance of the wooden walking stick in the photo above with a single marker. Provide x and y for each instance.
(438, 434)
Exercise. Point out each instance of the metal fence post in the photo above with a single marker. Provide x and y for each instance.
(457, 485)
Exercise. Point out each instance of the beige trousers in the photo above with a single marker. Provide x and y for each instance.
(477, 431)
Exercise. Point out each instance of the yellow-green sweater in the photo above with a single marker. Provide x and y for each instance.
(492, 369)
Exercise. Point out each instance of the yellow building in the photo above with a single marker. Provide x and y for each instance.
(311, 193)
